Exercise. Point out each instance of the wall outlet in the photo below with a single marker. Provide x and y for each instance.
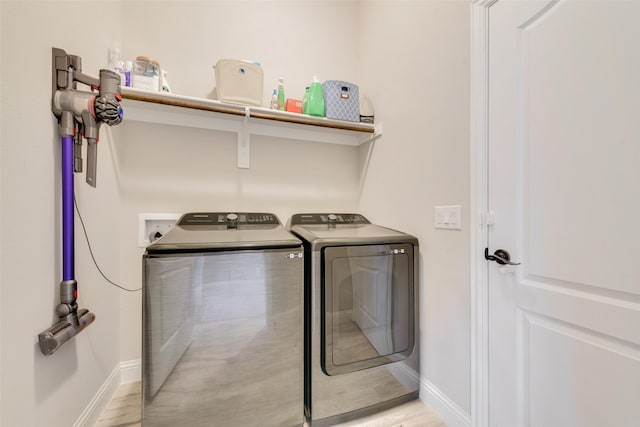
(448, 217)
(152, 226)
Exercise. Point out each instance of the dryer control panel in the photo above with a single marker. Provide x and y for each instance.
(328, 218)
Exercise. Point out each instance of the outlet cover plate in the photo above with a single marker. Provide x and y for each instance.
(150, 222)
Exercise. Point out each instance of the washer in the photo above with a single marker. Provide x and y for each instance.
(361, 316)
(222, 323)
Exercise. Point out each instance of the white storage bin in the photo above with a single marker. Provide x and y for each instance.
(239, 82)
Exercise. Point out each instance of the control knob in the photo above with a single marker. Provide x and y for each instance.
(232, 221)
(332, 220)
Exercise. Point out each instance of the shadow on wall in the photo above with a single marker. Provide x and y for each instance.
(51, 372)
(163, 161)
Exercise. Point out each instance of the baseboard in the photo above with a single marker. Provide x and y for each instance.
(92, 412)
(124, 372)
(130, 371)
(452, 414)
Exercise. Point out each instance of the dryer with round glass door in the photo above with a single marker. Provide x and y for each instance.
(361, 293)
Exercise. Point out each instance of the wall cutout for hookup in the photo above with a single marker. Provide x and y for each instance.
(152, 226)
(79, 115)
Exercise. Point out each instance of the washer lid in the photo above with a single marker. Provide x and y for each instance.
(218, 231)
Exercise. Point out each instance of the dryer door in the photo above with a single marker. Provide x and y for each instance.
(368, 306)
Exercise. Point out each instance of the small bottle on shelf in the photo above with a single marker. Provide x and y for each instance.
(281, 97)
(128, 66)
(274, 100)
(305, 101)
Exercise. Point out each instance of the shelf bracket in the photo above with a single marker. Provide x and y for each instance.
(244, 142)
(366, 149)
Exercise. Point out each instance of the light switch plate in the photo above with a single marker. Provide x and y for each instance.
(448, 217)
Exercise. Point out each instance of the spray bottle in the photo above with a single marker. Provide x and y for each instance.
(281, 97)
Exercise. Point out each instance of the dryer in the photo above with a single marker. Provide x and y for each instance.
(222, 323)
(361, 316)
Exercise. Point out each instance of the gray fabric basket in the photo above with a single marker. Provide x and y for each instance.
(341, 100)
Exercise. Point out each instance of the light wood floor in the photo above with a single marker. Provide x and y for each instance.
(124, 411)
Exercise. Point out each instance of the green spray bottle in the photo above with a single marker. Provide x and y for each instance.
(281, 98)
(315, 101)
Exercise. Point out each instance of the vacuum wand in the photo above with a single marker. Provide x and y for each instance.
(79, 115)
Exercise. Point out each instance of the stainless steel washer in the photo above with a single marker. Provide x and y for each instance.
(361, 316)
(222, 323)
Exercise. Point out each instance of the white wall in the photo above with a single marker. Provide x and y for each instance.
(414, 60)
(410, 57)
(52, 390)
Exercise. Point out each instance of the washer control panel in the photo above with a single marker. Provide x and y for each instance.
(328, 218)
(229, 218)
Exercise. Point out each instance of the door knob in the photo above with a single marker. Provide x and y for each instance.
(500, 256)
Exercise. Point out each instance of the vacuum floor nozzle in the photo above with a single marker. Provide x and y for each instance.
(61, 332)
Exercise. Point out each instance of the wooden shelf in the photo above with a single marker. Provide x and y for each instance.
(179, 110)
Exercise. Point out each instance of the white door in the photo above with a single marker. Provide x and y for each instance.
(564, 183)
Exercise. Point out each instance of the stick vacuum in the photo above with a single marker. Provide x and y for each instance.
(79, 115)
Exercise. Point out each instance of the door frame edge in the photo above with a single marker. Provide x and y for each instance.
(478, 174)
